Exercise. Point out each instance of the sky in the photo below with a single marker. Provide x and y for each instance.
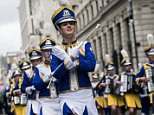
(10, 35)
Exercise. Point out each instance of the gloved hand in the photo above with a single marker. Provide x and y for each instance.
(59, 52)
(62, 55)
(74, 52)
(69, 63)
(30, 89)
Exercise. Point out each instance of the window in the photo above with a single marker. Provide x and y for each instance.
(105, 42)
(95, 50)
(112, 38)
(92, 11)
(87, 15)
(119, 35)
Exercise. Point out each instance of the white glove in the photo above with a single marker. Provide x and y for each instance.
(59, 52)
(33, 88)
(69, 63)
(29, 90)
(62, 55)
(74, 52)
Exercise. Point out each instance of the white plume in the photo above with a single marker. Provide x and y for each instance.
(124, 53)
(107, 58)
(101, 75)
(139, 65)
(150, 39)
(96, 68)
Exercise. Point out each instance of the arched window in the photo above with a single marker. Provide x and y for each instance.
(92, 11)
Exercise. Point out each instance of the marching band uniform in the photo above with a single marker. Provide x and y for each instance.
(100, 101)
(16, 93)
(74, 86)
(129, 87)
(146, 74)
(111, 84)
(28, 86)
(9, 108)
(48, 97)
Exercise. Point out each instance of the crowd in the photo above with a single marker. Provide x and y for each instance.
(55, 80)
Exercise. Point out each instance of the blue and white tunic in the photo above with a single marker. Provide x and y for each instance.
(74, 86)
(48, 97)
(27, 86)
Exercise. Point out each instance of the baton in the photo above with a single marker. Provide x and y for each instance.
(51, 79)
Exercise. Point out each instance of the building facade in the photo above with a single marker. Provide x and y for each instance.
(125, 24)
(35, 21)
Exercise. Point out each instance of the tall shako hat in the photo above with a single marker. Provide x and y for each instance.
(63, 14)
(16, 72)
(149, 49)
(24, 64)
(109, 63)
(47, 43)
(34, 53)
(125, 60)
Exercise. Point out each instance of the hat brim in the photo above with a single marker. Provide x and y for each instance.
(128, 63)
(17, 74)
(35, 57)
(25, 67)
(67, 20)
(150, 53)
(110, 68)
(46, 47)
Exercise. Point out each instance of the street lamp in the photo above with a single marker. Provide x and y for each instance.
(131, 24)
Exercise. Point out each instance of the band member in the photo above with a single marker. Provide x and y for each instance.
(10, 104)
(71, 61)
(48, 96)
(24, 64)
(28, 86)
(100, 99)
(129, 87)
(111, 84)
(146, 73)
(16, 93)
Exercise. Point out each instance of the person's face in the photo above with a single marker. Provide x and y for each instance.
(36, 62)
(16, 78)
(151, 58)
(46, 54)
(111, 72)
(128, 68)
(67, 29)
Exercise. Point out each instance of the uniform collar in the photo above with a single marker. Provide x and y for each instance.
(47, 62)
(72, 43)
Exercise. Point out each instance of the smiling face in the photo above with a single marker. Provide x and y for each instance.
(67, 29)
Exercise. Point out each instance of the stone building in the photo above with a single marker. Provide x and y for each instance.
(35, 21)
(125, 24)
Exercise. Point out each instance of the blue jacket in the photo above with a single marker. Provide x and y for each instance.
(39, 82)
(28, 81)
(87, 64)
